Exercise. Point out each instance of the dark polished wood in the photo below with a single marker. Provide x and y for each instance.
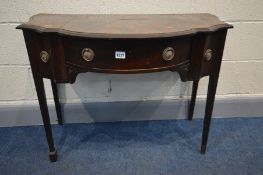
(45, 116)
(193, 98)
(125, 26)
(143, 55)
(56, 100)
(219, 43)
(62, 46)
(39, 84)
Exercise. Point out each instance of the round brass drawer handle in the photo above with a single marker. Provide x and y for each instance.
(168, 54)
(44, 56)
(87, 54)
(208, 54)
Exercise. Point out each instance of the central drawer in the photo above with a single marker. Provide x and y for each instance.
(126, 55)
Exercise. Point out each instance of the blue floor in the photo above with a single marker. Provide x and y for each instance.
(136, 148)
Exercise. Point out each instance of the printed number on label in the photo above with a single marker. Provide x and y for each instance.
(120, 55)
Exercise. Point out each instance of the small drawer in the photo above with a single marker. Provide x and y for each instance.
(126, 55)
(211, 53)
(42, 54)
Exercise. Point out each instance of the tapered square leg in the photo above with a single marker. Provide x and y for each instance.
(212, 85)
(193, 98)
(45, 116)
(56, 100)
(208, 110)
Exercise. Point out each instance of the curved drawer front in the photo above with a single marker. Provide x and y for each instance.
(127, 55)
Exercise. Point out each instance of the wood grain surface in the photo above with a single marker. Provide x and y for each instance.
(125, 26)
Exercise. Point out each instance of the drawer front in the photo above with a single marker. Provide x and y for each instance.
(41, 58)
(127, 55)
(212, 52)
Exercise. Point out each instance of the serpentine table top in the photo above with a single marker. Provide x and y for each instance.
(125, 26)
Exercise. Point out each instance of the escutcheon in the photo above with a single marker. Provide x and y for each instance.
(168, 54)
(88, 54)
(44, 56)
(208, 54)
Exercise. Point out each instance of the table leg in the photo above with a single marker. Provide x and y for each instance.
(45, 116)
(209, 109)
(56, 100)
(193, 98)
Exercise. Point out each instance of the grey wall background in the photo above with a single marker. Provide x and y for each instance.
(243, 59)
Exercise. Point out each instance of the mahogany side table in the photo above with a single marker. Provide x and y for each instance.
(61, 46)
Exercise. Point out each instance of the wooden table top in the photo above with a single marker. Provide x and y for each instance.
(124, 26)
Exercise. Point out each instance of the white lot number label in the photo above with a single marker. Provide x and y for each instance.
(120, 55)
